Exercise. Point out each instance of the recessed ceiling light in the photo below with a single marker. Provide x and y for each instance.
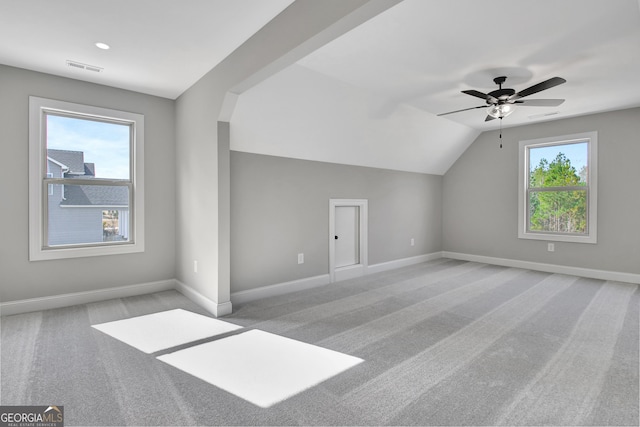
(103, 46)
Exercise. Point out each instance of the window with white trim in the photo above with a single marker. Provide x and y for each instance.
(86, 180)
(558, 184)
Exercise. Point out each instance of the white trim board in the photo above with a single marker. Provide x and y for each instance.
(66, 300)
(403, 262)
(222, 309)
(322, 280)
(549, 268)
(215, 308)
(76, 298)
(277, 289)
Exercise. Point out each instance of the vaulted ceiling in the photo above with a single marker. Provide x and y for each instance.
(424, 53)
(384, 82)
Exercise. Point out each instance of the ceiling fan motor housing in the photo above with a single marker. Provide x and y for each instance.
(500, 94)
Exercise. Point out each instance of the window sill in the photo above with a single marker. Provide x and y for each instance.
(38, 254)
(558, 238)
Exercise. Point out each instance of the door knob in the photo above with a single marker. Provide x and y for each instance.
(335, 237)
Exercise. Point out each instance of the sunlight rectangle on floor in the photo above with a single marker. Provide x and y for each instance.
(260, 367)
(166, 329)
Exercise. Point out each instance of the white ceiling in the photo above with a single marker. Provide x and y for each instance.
(415, 56)
(299, 113)
(158, 47)
(424, 53)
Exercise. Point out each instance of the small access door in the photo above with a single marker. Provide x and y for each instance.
(347, 238)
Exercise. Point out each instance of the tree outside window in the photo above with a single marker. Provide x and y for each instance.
(557, 196)
(558, 191)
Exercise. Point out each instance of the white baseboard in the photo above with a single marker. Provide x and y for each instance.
(279, 289)
(404, 262)
(215, 308)
(323, 279)
(66, 300)
(548, 268)
(222, 309)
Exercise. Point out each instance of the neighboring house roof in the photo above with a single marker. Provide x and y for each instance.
(95, 195)
(86, 195)
(62, 166)
(74, 160)
(90, 169)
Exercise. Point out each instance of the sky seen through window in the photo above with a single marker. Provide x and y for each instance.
(104, 144)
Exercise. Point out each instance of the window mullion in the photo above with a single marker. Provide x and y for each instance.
(87, 181)
(567, 188)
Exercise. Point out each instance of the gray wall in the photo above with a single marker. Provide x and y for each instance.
(200, 111)
(21, 279)
(280, 207)
(480, 196)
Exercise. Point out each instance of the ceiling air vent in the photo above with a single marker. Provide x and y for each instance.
(87, 67)
(539, 116)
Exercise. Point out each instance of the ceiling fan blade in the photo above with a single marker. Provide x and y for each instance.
(547, 84)
(476, 93)
(464, 109)
(489, 118)
(490, 99)
(540, 102)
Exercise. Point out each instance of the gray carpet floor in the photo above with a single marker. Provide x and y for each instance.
(444, 343)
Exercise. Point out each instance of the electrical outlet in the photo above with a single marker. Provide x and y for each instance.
(413, 242)
(551, 247)
(195, 266)
(300, 258)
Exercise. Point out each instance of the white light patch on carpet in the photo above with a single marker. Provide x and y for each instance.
(166, 329)
(260, 367)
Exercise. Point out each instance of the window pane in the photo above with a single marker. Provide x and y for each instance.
(558, 211)
(88, 214)
(115, 225)
(89, 148)
(558, 165)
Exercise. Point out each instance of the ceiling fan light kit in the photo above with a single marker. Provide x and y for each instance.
(500, 111)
